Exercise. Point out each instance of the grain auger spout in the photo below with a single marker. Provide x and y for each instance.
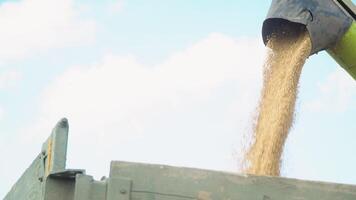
(331, 25)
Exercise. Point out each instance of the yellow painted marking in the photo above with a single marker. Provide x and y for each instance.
(49, 156)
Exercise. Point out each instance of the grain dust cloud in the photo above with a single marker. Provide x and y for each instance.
(288, 53)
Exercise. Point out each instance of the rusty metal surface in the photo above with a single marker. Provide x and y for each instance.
(326, 22)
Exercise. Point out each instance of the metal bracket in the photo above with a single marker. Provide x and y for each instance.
(67, 174)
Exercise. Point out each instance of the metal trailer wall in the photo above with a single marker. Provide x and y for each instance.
(47, 179)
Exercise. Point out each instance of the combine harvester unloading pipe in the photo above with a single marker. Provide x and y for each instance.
(331, 25)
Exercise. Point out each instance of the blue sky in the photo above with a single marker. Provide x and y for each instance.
(171, 82)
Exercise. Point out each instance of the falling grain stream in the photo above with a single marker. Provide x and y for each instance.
(282, 70)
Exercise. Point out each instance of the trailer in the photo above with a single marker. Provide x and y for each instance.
(48, 179)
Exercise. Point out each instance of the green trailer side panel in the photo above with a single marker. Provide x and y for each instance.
(59, 189)
(153, 182)
(55, 148)
(29, 186)
(46, 179)
(86, 188)
(345, 51)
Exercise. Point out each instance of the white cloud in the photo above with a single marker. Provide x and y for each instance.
(336, 94)
(9, 79)
(34, 26)
(1, 113)
(116, 6)
(189, 110)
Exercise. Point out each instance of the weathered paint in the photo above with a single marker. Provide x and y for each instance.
(31, 184)
(59, 189)
(158, 182)
(134, 181)
(49, 156)
(56, 147)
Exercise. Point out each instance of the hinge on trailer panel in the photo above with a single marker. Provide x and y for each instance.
(41, 173)
(119, 189)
